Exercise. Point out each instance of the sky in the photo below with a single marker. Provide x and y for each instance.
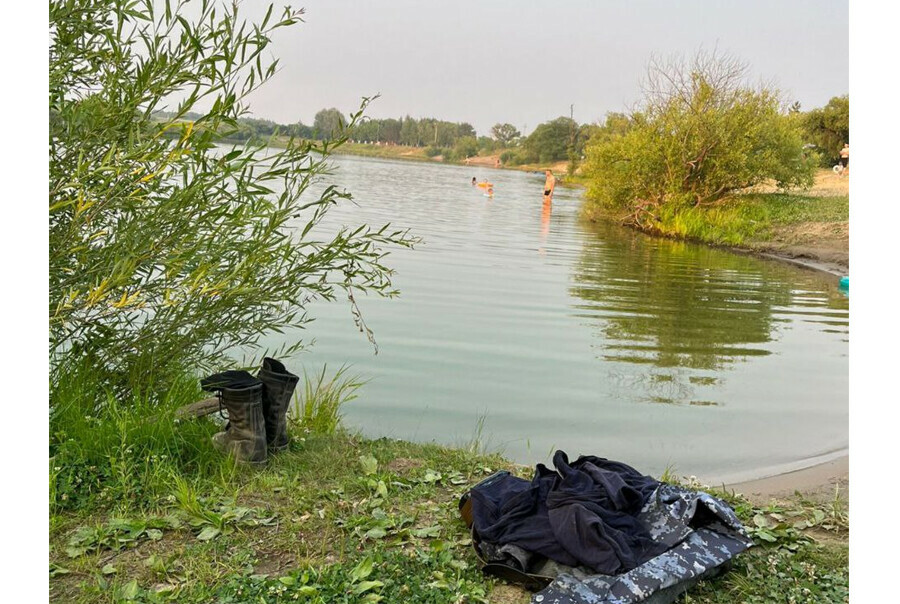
(527, 62)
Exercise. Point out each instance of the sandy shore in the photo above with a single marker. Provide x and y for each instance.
(818, 245)
(818, 482)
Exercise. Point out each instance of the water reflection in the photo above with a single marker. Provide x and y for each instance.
(686, 311)
(545, 223)
(593, 339)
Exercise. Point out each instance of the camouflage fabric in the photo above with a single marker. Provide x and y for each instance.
(694, 554)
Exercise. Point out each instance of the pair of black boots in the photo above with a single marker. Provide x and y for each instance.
(257, 410)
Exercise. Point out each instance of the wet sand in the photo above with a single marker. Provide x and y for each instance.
(818, 482)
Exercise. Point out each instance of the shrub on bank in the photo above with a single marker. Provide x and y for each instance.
(701, 135)
(517, 157)
(166, 253)
(466, 146)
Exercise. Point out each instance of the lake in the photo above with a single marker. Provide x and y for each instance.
(527, 329)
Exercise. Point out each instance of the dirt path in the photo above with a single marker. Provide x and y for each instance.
(486, 161)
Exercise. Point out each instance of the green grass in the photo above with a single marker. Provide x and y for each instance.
(144, 510)
(317, 405)
(801, 553)
(121, 453)
(384, 151)
(742, 219)
(297, 528)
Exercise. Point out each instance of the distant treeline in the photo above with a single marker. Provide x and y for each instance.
(329, 122)
(824, 129)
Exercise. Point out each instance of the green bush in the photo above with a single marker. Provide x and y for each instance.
(167, 253)
(317, 408)
(828, 128)
(486, 144)
(517, 157)
(466, 146)
(551, 141)
(701, 135)
(432, 151)
(110, 451)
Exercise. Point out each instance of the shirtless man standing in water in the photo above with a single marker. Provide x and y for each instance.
(549, 185)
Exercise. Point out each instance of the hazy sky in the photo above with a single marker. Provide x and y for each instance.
(526, 62)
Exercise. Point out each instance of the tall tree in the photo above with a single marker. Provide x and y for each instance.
(550, 141)
(505, 134)
(329, 123)
(828, 127)
(409, 132)
(466, 129)
(702, 133)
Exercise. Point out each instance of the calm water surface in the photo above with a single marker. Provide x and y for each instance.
(593, 339)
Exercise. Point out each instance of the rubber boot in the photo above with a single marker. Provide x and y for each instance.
(244, 436)
(279, 388)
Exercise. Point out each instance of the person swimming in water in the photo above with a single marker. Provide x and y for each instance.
(474, 181)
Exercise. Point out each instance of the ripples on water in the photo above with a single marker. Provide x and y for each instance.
(590, 338)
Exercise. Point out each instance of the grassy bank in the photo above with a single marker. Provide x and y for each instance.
(384, 151)
(743, 219)
(142, 509)
(811, 224)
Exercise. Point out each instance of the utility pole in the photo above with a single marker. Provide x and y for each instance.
(572, 136)
(573, 165)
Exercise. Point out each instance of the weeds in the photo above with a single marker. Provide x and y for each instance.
(336, 518)
(318, 408)
(123, 453)
(744, 219)
(331, 503)
(477, 444)
(790, 562)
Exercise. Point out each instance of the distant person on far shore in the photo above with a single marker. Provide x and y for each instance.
(549, 185)
(497, 163)
(845, 159)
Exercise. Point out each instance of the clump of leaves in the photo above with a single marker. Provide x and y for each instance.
(336, 583)
(207, 520)
(213, 518)
(317, 408)
(118, 533)
(167, 249)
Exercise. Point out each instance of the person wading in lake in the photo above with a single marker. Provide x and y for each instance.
(549, 185)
